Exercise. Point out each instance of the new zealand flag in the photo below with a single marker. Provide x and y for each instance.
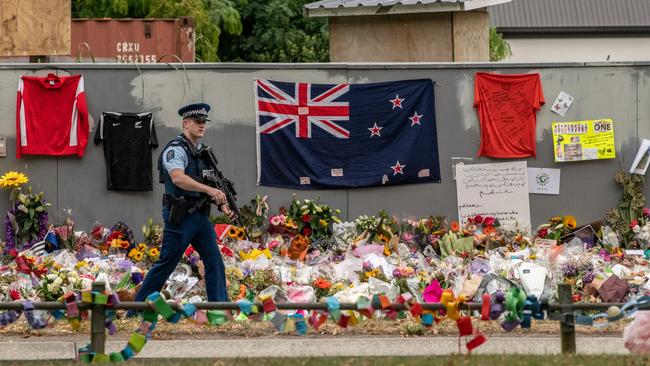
(345, 135)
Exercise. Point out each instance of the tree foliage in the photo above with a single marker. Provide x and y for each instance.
(211, 17)
(276, 31)
(499, 47)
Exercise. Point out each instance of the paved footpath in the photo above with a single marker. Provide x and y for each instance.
(313, 347)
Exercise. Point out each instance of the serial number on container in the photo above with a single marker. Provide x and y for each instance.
(146, 59)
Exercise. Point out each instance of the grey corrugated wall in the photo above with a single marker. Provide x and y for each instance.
(620, 91)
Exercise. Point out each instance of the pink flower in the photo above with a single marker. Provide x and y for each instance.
(646, 212)
(274, 220)
(273, 244)
(634, 223)
(478, 219)
(488, 221)
(283, 219)
(407, 237)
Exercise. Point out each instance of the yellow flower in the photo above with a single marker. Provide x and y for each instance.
(142, 247)
(386, 251)
(133, 252)
(232, 232)
(138, 256)
(570, 222)
(81, 264)
(13, 180)
(322, 222)
(154, 252)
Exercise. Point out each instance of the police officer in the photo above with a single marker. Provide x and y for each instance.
(181, 170)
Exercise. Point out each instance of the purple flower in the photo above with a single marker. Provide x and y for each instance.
(569, 270)
(479, 266)
(588, 277)
(124, 264)
(603, 254)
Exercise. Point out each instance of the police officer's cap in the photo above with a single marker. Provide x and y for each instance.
(195, 110)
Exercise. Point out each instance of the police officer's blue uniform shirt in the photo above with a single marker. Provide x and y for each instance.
(175, 157)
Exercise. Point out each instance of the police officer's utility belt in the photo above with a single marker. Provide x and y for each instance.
(180, 206)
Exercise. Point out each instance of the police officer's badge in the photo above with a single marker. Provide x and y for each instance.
(170, 155)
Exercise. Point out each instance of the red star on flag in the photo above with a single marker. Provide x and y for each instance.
(415, 119)
(374, 130)
(397, 102)
(398, 169)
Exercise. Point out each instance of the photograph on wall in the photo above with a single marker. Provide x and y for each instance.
(583, 140)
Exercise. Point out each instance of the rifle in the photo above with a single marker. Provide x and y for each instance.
(218, 181)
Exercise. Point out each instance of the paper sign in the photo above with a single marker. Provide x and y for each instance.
(544, 181)
(642, 158)
(562, 103)
(583, 140)
(499, 190)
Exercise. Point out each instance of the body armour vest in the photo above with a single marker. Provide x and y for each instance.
(194, 168)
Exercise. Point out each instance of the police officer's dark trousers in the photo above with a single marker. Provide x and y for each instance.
(194, 229)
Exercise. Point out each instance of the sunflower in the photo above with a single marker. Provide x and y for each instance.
(13, 180)
(570, 222)
(142, 247)
(383, 238)
(133, 253)
(154, 252)
(241, 233)
(387, 251)
(232, 232)
(138, 256)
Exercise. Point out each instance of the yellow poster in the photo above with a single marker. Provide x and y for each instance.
(583, 140)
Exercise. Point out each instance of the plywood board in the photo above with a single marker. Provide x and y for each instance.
(391, 38)
(37, 27)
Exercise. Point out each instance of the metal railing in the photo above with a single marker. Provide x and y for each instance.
(565, 308)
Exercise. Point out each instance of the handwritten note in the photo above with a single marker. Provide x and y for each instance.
(498, 190)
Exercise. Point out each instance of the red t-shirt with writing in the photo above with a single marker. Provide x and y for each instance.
(51, 116)
(506, 109)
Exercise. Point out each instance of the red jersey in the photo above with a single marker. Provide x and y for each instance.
(506, 109)
(51, 116)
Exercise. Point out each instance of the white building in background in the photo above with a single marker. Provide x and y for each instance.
(574, 30)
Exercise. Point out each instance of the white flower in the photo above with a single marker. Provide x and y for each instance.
(73, 273)
(58, 281)
(51, 276)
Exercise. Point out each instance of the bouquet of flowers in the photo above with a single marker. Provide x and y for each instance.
(65, 234)
(58, 282)
(254, 217)
(556, 227)
(321, 287)
(152, 233)
(142, 253)
(261, 279)
(313, 219)
(281, 224)
(27, 222)
(630, 211)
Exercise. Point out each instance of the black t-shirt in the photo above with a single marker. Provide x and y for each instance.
(128, 140)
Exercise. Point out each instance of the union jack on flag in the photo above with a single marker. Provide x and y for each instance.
(314, 136)
(302, 110)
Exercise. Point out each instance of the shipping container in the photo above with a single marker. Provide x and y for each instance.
(127, 40)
